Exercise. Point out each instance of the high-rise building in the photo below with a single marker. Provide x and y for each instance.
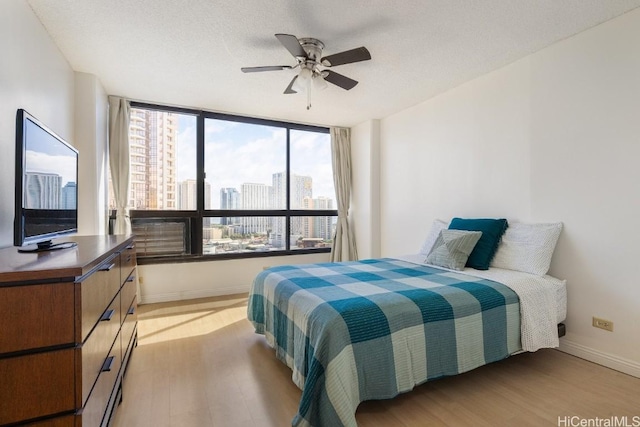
(152, 146)
(301, 188)
(230, 200)
(318, 226)
(322, 226)
(69, 195)
(255, 196)
(187, 195)
(42, 190)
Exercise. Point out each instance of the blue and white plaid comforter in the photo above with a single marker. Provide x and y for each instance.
(372, 329)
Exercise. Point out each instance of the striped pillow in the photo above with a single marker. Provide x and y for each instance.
(452, 248)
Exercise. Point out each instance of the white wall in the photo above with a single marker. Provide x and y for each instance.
(554, 136)
(35, 76)
(173, 282)
(91, 122)
(365, 203)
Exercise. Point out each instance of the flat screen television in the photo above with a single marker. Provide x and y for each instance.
(46, 187)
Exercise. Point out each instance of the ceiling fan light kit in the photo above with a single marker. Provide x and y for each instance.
(308, 54)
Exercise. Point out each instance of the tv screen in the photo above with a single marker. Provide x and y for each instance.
(46, 186)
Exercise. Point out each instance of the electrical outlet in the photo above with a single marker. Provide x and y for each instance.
(607, 325)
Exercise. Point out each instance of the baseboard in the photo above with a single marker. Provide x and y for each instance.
(191, 294)
(610, 361)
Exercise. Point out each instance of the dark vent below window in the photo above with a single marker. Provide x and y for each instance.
(160, 237)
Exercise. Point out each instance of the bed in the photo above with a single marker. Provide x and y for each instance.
(372, 329)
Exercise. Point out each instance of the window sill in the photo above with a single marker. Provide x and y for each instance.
(148, 260)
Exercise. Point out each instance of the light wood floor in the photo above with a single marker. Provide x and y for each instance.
(199, 363)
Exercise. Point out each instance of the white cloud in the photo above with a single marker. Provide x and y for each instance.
(64, 166)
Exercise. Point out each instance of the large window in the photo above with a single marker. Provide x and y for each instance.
(207, 185)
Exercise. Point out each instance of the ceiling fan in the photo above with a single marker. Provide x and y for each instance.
(308, 54)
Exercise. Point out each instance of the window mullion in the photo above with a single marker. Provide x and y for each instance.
(288, 196)
(197, 242)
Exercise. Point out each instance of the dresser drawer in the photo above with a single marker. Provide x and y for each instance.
(98, 345)
(36, 385)
(36, 316)
(127, 261)
(64, 421)
(129, 325)
(97, 291)
(128, 292)
(95, 407)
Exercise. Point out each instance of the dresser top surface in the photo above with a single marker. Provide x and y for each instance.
(63, 263)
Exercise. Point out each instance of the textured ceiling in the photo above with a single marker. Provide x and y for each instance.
(189, 52)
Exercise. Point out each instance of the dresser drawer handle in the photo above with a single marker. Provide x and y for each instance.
(106, 366)
(107, 315)
(131, 310)
(131, 278)
(108, 268)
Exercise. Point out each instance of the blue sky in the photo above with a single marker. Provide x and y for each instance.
(46, 154)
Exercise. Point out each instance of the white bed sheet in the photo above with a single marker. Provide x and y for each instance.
(543, 301)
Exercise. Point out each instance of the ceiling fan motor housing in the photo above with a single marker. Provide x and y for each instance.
(313, 47)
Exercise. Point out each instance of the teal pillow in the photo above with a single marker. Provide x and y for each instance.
(492, 231)
(452, 248)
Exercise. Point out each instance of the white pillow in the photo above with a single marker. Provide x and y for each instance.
(436, 228)
(527, 247)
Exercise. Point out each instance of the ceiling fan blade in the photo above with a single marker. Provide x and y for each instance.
(347, 57)
(339, 80)
(292, 44)
(289, 88)
(267, 68)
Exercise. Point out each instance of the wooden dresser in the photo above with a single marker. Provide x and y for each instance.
(67, 330)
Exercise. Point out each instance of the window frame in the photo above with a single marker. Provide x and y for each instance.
(196, 217)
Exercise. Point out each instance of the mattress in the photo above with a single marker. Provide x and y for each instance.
(557, 287)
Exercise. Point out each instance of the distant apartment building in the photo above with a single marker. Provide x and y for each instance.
(69, 195)
(43, 190)
(187, 195)
(301, 189)
(152, 145)
(320, 227)
(229, 200)
(253, 197)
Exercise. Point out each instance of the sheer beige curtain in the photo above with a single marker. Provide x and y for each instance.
(119, 109)
(344, 242)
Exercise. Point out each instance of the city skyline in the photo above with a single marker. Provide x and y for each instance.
(163, 154)
(45, 191)
(186, 195)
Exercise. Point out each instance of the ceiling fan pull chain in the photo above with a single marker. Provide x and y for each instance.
(308, 94)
